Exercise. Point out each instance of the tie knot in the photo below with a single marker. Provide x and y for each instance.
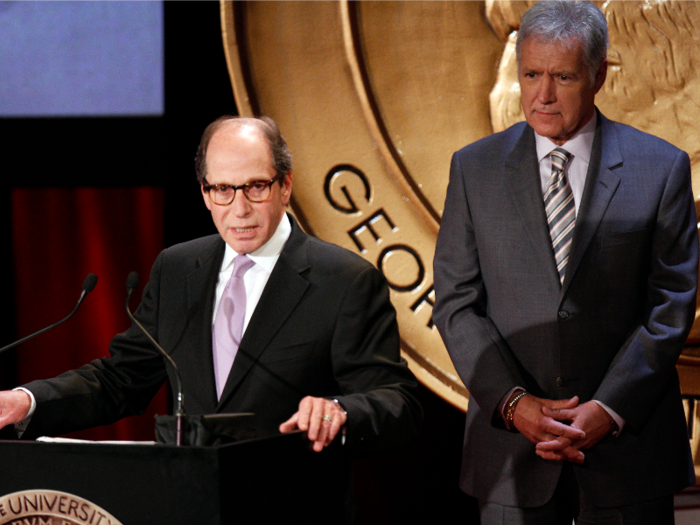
(241, 264)
(560, 157)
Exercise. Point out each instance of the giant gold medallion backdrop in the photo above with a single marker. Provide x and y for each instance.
(374, 97)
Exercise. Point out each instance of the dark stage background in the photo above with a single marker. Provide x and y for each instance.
(105, 195)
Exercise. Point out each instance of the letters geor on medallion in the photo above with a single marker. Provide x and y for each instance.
(400, 87)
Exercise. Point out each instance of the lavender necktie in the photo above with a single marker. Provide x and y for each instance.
(228, 326)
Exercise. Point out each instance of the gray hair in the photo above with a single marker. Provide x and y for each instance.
(281, 156)
(561, 21)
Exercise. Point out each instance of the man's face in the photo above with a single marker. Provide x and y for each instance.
(238, 154)
(555, 88)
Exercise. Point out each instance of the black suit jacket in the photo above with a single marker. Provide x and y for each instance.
(612, 332)
(324, 326)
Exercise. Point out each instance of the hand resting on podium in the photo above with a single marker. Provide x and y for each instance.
(321, 418)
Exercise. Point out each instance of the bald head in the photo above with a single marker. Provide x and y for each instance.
(281, 156)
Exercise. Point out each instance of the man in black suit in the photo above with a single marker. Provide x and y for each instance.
(566, 274)
(320, 346)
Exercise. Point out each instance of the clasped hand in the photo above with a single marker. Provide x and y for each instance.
(561, 429)
(321, 418)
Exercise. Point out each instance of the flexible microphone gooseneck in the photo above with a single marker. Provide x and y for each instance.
(131, 282)
(88, 285)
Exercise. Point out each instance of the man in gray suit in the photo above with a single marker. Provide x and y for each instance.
(566, 273)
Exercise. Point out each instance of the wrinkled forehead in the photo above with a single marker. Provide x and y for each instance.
(567, 45)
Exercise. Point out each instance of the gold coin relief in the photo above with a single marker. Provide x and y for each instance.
(374, 97)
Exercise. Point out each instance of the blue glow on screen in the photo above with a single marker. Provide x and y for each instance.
(81, 58)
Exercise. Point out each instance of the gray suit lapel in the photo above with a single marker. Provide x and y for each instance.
(523, 183)
(599, 189)
(283, 291)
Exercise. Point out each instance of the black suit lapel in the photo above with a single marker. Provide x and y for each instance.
(283, 291)
(523, 182)
(198, 363)
(599, 189)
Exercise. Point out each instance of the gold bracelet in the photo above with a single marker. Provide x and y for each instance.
(510, 411)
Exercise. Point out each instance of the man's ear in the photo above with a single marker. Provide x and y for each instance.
(600, 76)
(287, 188)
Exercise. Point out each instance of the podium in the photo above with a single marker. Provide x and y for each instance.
(256, 481)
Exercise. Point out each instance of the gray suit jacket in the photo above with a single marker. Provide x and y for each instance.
(612, 332)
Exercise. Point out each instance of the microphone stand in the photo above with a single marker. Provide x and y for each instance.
(88, 285)
(131, 283)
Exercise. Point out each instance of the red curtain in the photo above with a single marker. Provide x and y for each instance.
(59, 237)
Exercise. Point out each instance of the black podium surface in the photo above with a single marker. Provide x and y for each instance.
(257, 481)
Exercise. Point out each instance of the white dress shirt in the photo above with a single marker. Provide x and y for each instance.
(256, 277)
(580, 146)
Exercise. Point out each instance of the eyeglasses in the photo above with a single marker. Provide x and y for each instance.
(254, 191)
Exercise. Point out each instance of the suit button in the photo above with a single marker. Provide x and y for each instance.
(560, 381)
(563, 314)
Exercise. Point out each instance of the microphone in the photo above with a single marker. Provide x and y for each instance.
(131, 282)
(88, 285)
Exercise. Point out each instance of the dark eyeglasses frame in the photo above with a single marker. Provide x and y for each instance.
(245, 187)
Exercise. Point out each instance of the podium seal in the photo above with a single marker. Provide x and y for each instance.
(51, 507)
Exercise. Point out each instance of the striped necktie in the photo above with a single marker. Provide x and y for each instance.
(560, 209)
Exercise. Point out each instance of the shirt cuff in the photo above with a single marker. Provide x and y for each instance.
(344, 428)
(503, 405)
(614, 415)
(22, 425)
